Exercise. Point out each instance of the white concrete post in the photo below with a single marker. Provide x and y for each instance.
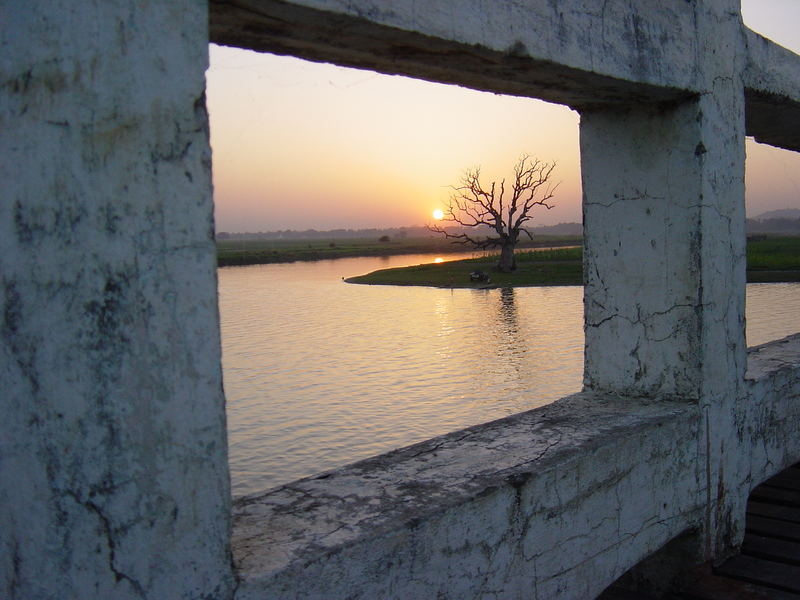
(665, 255)
(113, 468)
(664, 272)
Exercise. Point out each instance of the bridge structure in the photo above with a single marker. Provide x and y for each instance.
(113, 466)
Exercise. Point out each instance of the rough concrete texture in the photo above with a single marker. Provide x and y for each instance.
(771, 410)
(643, 326)
(664, 258)
(667, 92)
(576, 52)
(581, 53)
(556, 502)
(113, 477)
(113, 473)
(772, 90)
(664, 239)
(544, 504)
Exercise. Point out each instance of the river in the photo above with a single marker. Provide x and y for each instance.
(319, 373)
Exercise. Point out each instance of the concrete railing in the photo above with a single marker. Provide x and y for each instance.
(113, 466)
(556, 502)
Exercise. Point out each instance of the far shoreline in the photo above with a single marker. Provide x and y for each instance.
(544, 261)
(257, 252)
(771, 260)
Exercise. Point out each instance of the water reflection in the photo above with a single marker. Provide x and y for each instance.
(509, 341)
(773, 311)
(319, 373)
(508, 311)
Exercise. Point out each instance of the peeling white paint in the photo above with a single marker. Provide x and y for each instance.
(557, 502)
(113, 468)
(113, 475)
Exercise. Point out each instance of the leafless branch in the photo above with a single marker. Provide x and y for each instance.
(473, 206)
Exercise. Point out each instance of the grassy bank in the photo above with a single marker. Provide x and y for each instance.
(768, 260)
(544, 267)
(260, 251)
(773, 259)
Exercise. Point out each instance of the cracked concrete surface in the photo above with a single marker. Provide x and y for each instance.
(113, 475)
(550, 491)
(556, 502)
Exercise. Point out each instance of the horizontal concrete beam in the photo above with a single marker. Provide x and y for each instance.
(572, 55)
(556, 502)
(576, 55)
(772, 93)
(772, 409)
(561, 500)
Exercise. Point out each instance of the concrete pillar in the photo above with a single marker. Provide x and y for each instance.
(664, 292)
(113, 467)
(665, 257)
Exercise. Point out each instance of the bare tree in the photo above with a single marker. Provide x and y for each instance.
(473, 206)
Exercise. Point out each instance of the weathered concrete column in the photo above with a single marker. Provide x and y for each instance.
(113, 470)
(664, 294)
(665, 256)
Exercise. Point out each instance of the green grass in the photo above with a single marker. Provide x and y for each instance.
(774, 259)
(561, 266)
(774, 253)
(770, 259)
(255, 251)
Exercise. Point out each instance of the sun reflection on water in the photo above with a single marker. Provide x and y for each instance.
(319, 373)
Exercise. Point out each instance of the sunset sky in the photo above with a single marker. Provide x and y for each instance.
(300, 145)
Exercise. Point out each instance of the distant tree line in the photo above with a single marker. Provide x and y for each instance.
(311, 234)
(782, 226)
(393, 232)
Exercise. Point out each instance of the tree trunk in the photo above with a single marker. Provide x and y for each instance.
(507, 261)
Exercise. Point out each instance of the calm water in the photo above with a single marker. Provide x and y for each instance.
(319, 373)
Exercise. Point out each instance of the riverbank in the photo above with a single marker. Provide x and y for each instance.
(260, 251)
(560, 266)
(769, 260)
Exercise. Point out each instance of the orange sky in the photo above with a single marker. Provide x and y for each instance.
(300, 145)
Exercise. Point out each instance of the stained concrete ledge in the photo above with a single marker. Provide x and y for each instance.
(771, 410)
(772, 92)
(556, 502)
(774, 358)
(562, 499)
(510, 49)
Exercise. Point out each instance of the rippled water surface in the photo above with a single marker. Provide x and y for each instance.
(319, 373)
(773, 311)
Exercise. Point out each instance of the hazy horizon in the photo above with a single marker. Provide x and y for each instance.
(301, 145)
(422, 225)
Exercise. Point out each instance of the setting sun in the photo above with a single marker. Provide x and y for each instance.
(438, 214)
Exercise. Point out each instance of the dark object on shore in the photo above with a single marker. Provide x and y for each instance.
(479, 276)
